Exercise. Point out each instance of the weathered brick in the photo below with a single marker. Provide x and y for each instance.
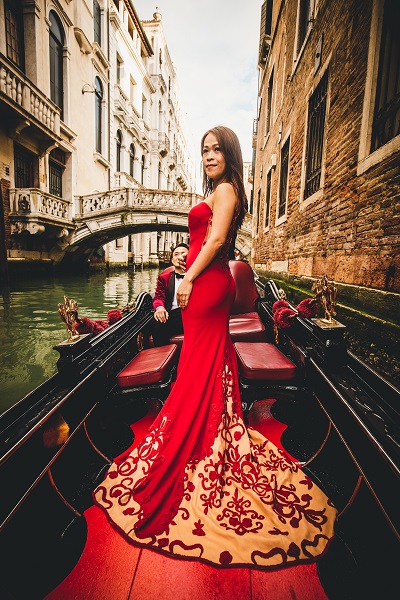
(355, 213)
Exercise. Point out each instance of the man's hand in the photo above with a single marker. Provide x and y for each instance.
(161, 314)
(181, 263)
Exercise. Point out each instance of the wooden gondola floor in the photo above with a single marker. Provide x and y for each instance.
(110, 568)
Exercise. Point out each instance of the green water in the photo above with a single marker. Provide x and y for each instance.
(30, 324)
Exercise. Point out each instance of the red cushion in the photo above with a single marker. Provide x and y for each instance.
(246, 290)
(263, 361)
(149, 366)
(247, 327)
(176, 339)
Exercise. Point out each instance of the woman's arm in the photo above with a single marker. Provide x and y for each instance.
(224, 203)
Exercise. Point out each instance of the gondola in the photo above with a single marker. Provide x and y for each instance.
(300, 385)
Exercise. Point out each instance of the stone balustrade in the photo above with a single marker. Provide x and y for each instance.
(130, 198)
(27, 98)
(34, 203)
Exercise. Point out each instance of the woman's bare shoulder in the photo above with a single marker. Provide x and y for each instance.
(225, 193)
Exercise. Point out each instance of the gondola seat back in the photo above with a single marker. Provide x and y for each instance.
(149, 367)
(245, 324)
(247, 295)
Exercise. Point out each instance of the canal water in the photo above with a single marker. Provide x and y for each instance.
(30, 324)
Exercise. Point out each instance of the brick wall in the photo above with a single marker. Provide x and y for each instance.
(350, 229)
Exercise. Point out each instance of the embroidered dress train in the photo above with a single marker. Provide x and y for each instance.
(201, 484)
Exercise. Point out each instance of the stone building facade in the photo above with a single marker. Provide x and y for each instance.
(79, 91)
(327, 142)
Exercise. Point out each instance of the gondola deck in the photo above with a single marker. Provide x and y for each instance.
(111, 568)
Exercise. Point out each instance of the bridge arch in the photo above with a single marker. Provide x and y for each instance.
(104, 217)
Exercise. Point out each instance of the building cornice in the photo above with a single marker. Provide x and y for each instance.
(138, 24)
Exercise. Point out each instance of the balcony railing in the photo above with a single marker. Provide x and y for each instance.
(28, 101)
(130, 198)
(32, 211)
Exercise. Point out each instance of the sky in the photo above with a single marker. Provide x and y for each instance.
(214, 47)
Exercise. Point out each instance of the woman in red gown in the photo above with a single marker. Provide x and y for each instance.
(201, 484)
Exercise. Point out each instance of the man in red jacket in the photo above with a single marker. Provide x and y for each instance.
(167, 314)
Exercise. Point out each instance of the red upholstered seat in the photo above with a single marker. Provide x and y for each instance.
(263, 361)
(149, 366)
(177, 339)
(247, 327)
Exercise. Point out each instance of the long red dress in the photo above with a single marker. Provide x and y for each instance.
(201, 485)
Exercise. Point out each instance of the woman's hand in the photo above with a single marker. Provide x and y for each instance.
(183, 293)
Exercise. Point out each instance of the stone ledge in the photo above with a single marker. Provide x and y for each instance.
(369, 301)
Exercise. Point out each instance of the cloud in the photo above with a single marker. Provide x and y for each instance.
(213, 45)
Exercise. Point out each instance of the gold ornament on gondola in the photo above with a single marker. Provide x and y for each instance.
(325, 293)
(69, 314)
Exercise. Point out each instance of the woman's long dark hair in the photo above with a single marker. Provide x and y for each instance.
(230, 148)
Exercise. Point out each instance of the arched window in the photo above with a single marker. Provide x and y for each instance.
(159, 176)
(132, 160)
(56, 44)
(142, 170)
(98, 99)
(118, 150)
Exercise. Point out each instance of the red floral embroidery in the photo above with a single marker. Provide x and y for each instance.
(225, 558)
(198, 530)
(241, 518)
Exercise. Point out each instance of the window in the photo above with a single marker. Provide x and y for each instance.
(304, 19)
(269, 103)
(56, 44)
(159, 176)
(132, 160)
(56, 169)
(14, 32)
(142, 162)
(97, 22)
(144, 108)
(386, 123)
(284, 177)
(119, 69)
(119, 243)
(266, 18)
(118, 151)
(265, 31)
(23, 167)
(315, 137)
(267, 198)
(98, 99)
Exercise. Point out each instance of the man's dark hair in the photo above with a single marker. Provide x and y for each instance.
(179, 245)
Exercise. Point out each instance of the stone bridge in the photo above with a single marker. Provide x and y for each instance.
(99, 218)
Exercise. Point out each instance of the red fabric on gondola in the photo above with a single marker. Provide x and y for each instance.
(201, 485)
(149, 366)
(263, 361)
(247, 327)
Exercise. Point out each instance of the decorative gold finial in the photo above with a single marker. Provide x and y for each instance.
(325, 293)
(69, 314)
